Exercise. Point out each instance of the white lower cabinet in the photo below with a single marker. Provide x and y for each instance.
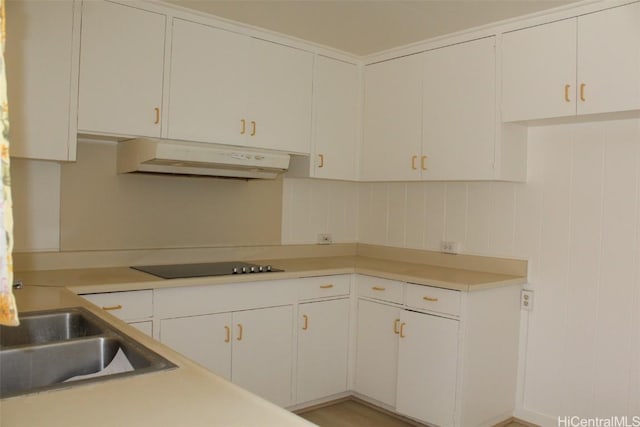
(377, 351)
(252, 348)
(427, 366)
(440, 356)
(134, 307)
(323, 341)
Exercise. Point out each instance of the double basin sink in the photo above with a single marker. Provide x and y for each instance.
(60, 348)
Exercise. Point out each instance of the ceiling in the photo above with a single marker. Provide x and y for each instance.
(363, 27)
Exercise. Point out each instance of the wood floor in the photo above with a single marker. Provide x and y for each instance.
(351, 413)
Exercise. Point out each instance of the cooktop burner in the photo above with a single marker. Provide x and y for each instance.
(183, 271)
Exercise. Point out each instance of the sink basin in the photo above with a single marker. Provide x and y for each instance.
(59, 348)
(40, 328)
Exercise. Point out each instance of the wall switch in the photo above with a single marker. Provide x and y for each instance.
(526, 299)
(324, 238)
(450, 247)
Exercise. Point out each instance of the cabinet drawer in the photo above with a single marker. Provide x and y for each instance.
(440, 300)
(125, 305)
(382, 289)
(321, 287)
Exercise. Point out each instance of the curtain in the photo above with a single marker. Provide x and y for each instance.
(8, 310)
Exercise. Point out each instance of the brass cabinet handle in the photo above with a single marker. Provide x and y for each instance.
(328, 286)
(321, 157)
(401, 332)
(396, 324)
(113, 307)
(378, 288)
(566, 93)
(305, 326)
(157, 110)
(431, 299)
(227, 334)
(413, 162)
(582, 86)
(253, 128)
(423, 163)
(239, 332)
(243, 129)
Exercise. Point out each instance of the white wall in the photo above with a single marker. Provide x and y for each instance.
(313, 206)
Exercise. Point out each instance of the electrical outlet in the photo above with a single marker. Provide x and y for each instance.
(450, 247)
(526, 299)
(324, 238)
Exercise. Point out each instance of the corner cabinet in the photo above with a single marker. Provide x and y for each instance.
(392, 122)
(42, 72)
(584, 65)
(121, 70)
(233, 101)
(410, 134)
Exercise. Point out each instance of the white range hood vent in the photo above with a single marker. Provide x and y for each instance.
(194, 158)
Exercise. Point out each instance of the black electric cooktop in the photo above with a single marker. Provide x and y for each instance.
(182, 271)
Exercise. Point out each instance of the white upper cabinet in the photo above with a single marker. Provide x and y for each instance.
(121, 70)
(280, 95)
(392, 128)
(459, 112)
(207, 92)
(609, 60)
(233, 89)
(42, 79)
(539, 72)
(584, 65)
(336, 112)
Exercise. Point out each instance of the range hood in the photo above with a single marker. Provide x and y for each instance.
(193, 158)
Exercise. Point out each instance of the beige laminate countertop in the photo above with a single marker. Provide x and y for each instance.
(189, 395)
(92, 280)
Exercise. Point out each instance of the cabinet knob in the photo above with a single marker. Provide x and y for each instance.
(157, 110)
(321, 158)
(113, 307)
(378, 288)
(423, 163)
(396, 326)
(240, 330)
(243, 126)
(305, 319)
(227, 337)
(430, 299)
(253, 128)
(327, 286)
(401, 332)
(566, 93)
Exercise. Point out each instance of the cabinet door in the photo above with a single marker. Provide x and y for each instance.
(39, 64)
(207, 92)
(205, 339)
(262, 352)
(539, 72)
(392, 120)
(323, 339)
(377, 351)
(458, 139)
(427, 365)
(121, 69)
(280, 97)
(609, 60)
(336, 123)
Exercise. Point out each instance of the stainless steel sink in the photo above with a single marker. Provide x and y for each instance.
(47, 327)
(54, 349)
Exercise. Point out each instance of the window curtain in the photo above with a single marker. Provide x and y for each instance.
(8, 310)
